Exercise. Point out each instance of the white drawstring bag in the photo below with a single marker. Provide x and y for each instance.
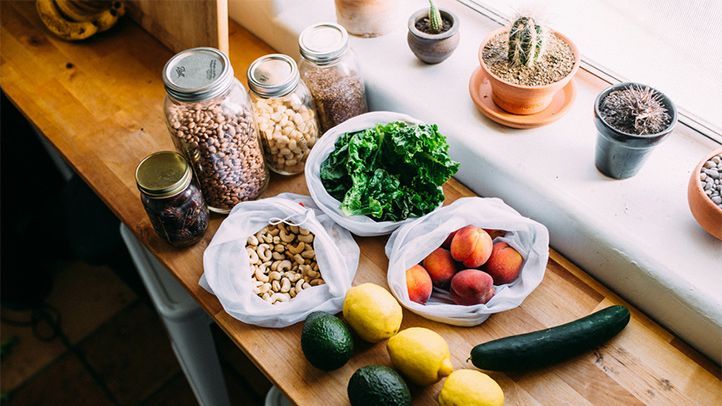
(411, 243)
(363, 226)
(226, 263)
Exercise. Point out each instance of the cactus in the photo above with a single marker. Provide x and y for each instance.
(636, 110)
(527, 41)
(436, 24)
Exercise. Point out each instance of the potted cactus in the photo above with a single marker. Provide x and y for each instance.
(433, 34)
(631, 119)
(527, 64)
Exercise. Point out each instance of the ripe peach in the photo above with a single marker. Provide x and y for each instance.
(418, 283)
(471, 286)
(447, 242)
(471, 246)
(441, 267)
(505, 263)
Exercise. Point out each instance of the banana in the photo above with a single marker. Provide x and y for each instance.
(103, 20)
(108, 18)
(60, 26)
(73, 13)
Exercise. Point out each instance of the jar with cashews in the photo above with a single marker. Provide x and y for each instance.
(284, 111)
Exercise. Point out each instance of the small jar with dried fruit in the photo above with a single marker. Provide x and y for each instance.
(285, 112)
(210, 119)
(171, 198)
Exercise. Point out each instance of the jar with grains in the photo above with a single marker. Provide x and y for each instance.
(209, 116)
(171, 198)
(369, 18)
(328, 66)
(285, 112)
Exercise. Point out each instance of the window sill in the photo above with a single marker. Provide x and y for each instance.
(637, 236)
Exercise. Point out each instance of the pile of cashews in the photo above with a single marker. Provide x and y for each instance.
(283, 262)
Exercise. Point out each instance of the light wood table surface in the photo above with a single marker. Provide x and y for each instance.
(99, 103)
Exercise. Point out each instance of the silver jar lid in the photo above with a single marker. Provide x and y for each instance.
(273, 75)
(323, 43)
(197, 74)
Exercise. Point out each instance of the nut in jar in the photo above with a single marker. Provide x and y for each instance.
(284, 111)
(283, 262)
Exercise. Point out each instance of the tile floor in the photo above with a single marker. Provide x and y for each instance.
(119, 351)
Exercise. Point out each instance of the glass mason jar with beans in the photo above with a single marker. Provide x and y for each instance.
(210, 119)
(284, 111)
(171, 198)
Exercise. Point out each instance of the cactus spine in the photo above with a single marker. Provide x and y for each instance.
(527, 41)
(435, 22)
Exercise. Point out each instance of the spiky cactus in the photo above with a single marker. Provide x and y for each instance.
(636, 110)
(436, 24)
(527, 41)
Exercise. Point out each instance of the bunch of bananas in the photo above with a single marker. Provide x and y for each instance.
(75, 20)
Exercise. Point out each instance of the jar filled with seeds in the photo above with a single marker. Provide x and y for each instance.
(210, 119)
(171, 198)
(285, 112)
(328, 66)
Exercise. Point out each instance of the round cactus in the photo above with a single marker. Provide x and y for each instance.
(526, 41)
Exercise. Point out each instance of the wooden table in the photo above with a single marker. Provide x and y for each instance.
(99, 103)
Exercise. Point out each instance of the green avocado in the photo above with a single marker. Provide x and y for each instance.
(326, 341)
(378, 385)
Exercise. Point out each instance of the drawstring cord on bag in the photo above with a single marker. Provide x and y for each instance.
(274, 221)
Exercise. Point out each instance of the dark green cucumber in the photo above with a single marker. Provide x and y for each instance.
(556, 344)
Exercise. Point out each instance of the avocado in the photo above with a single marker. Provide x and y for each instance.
(326, 341)
(378, 385)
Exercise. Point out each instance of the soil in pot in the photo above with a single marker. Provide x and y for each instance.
(711, 178)
(635, 110)
(424, 25)
(555, 64)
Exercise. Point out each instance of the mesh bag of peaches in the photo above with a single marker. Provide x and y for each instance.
(466, 261)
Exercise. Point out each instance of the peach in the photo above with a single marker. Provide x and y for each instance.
(418, 283)
(471, 286)
(447, 242)
(505, 263)
(441, 267)
(471, 246)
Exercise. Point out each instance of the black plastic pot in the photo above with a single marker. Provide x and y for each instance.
(621, 155)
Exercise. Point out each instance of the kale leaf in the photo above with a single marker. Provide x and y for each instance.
(390, 172)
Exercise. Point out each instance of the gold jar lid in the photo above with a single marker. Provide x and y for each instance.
(163, 174)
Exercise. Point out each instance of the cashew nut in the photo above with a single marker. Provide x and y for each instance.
(282, 297)
(279, 248)
(317, 282)
(252, 240)
(303, 231)
(298, 248)
(299, 259)
(264, 252)
(261, 276)
(277, 256)
(294, 229)
(252, 255)
(313, 274)
(285, 237)
(285, 285)
(299, 285)
(292, 292)
(284, 266)
(275, 275)
(309, 253)
(306, 238)
(273, 231)
(276, 240)
(276, 286)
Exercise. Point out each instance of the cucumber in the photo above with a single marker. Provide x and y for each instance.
(556, 344)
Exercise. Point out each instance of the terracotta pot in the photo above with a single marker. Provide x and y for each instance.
(707, 214)
(519, 99)
(369, 18)
(433, 48)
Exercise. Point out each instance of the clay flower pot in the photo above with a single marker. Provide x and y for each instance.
(433, 48)
(520, 99)
(707, 214)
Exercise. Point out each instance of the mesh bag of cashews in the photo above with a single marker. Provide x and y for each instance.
(360, 225)
(413, 242)
(309, 260)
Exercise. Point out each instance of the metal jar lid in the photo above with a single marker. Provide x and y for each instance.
(163, 174)
(197, 74)
(273, 75)
(323, 43)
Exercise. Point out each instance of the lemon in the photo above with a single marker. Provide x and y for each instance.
(468, 387)
(372, 312)
(421, 355)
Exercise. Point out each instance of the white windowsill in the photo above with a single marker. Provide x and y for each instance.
(637, 236)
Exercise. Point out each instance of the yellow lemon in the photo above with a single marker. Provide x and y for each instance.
(372, 312)
(468, 387)
(421, 355)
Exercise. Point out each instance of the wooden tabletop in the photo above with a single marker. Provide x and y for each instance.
(99, 103)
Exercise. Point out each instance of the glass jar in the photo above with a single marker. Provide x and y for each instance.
(210, 119)
(329, 69)
(285, 113)
(171, 198)
(369, 18)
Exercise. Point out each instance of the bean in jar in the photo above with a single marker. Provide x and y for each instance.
(328, 66)
(171, 198)
(211, 122)
(284, 111)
